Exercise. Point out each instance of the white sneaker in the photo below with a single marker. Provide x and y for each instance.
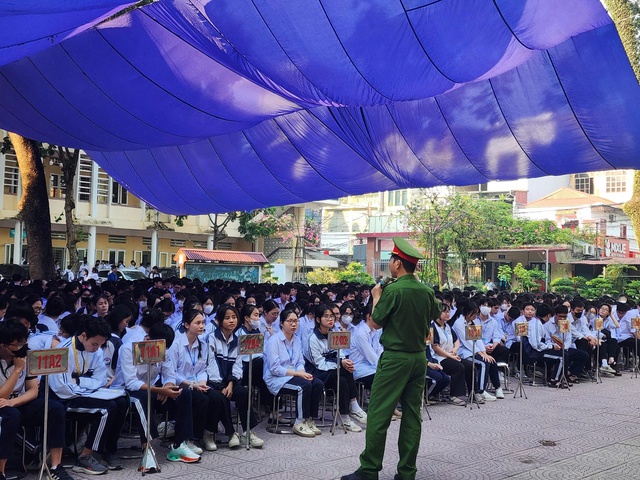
(254, 440)
(209, 441)
(351, 426)
(479, 398)
(234, 440)
(359, 416)
(194, 448)
(608, 369)
(488, 397)
(499, 393)
(303, 430)
(311, 425)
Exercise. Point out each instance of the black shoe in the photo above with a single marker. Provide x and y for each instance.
(355, 476)
(2, 477)
(59, 473)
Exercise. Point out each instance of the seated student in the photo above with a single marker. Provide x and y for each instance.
(52, 312)
(19, 401)
(365, 349)
(626, 335)
(492, 334)
(485, 364)
(268, 323)
(224, 369)
(250, 326)
(580, 333)
(307, 322)
(609, 348)
(437, 379)
(324, 364)
(189, 355)
(138, 333)
(102, 305)
(344, 321)
(445, 345)
(575, 359)
(164, 392)
(284, 370)
(536, 346)
(74, 389)
(117, 319)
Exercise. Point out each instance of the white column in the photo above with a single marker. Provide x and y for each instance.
(154, 248)
(94, 189)
(2, 164)
(143, 211)
(210, 242)
(91, 247)
(109, 197)
(17, 243)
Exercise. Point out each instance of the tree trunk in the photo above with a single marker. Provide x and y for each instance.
(69, 164)
(34, 207)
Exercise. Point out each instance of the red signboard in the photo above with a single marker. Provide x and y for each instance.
(616, 247)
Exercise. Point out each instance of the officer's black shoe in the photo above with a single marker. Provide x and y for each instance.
(355, 476)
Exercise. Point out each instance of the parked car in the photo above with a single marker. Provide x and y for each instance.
(7, 270)
(123, 274)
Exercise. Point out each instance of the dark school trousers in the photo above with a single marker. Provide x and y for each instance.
(180, 407)
(400, 378)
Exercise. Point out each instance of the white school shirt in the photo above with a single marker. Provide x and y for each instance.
(189, 362)
(446, 339)
(5, 373)
(304, 331)
(537, 337)
(466, 346)
(133, 377)
(551, 329)
(625, 331)
(491, 331)
(365, 350)
(281, 355)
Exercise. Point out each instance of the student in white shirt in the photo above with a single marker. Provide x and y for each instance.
(609, 349)
(163, 389)
(224, 370)
(365, 349)
(75, 388)
(270, 314)
(626, 334)
(537, 346)
(189, 355)
(284, 370)
(324, 364)
(19, 401)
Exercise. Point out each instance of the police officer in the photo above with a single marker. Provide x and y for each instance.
(404, 310)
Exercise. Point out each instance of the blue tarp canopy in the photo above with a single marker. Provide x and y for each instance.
(209, 106)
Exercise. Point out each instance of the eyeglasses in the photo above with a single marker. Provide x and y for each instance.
(13, 347)
(329, 316)
(291, 321)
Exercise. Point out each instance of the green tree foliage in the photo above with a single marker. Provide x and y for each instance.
(633, 289)
(356, 273)
(568, 285)
(449, 222)
(322, 275)
(264, 222)
(528, 279)
(598, 287)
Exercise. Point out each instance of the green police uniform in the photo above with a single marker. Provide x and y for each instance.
(404, 311)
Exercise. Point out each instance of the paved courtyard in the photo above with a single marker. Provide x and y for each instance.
(594, 430)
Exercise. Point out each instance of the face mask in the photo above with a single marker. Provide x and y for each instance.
(255, 324)
(22, 352)
(591, 316)
(143, 304)
(347, 319)
(484, 310)
(504, 307)
(208, 309)
(180, 303)
(242, 293)
(333, 298)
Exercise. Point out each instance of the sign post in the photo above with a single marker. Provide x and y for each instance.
(250, 344)
(564, 327)
(473, 333)
(599, 324)
(521, 330)
(148, 353)
(338, 341)
(425, 396)
(45, 363)
(635, 324)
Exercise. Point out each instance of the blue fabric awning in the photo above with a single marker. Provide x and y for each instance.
(201, 106)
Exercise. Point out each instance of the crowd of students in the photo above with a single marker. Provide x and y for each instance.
(204, 374)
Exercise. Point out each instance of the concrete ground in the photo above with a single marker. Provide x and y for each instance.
(592, 431)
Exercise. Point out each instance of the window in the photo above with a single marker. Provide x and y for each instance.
(60, 256)
(85, 166)
(11, 174)
(616, 181)
(178, 243)
(56, 186)
(623, 231)
(118, 194)
(103, 187)
(116, 256)
(583, 183)
(117, 239)
(397, 198)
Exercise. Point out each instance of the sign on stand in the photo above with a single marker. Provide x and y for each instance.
(149, 352)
